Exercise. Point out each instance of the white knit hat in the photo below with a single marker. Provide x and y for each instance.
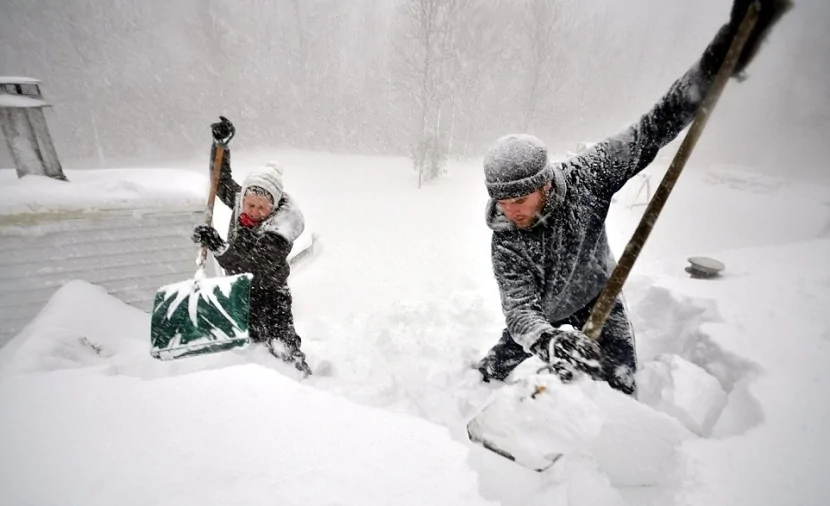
(269, 178)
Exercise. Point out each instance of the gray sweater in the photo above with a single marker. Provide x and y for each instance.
(547, 272)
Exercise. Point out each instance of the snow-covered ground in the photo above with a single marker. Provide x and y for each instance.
(400, 299)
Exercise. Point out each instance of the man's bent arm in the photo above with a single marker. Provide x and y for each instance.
(520, 295)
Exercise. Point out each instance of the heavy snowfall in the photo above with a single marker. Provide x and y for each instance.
(392, 282)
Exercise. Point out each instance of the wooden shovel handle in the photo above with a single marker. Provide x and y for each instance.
(214, 184)
(602, 308)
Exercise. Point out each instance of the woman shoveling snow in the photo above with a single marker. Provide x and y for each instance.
(265, 222)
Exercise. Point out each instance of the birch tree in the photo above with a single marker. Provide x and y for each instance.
(425, 54)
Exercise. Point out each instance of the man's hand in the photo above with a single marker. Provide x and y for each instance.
(771, 12)
(568, 351)
(209, 238)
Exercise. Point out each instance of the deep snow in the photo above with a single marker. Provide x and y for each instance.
(400, 297)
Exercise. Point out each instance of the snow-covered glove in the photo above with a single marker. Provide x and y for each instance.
(223, 130)
(568, 351)
(208, 237)
(771, 12)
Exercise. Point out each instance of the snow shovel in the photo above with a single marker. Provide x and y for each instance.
(202, 315)
(573, 417)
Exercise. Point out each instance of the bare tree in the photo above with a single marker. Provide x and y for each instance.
(483, 44)
(540, 23)
(425, 53)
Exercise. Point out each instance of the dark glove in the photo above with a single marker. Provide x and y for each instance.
(771, 12)
(223, 130)
(209, 238)
(569, 351)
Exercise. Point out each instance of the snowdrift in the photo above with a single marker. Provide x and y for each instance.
(80, 432)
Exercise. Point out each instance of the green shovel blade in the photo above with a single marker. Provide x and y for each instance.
(202, 316)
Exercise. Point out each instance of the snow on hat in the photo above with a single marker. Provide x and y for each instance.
(269, 178)
(516, 165)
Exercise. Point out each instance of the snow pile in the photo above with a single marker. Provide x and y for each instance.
(241, 435)
(768, 349)
(233, 435)
(538, 420)
(90, 190)
(576, 482)
(683, 390)
(719, 208)
(81, 326)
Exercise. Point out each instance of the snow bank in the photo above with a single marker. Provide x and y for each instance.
(683, 390)
(719, 208)
(577, 482)
(538, 419)
(98, 189)
(81, 432)
(765, 345)
(80, 326)
(243, 435)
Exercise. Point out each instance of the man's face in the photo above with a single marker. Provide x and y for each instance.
(524, 211)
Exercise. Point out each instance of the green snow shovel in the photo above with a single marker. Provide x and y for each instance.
(202, 315)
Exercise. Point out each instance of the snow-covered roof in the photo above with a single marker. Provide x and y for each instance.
(18, 80)
(7, 100)
(102, 189)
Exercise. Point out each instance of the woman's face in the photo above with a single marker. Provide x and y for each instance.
(258, 207)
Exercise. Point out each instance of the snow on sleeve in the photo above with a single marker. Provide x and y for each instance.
(90, 190)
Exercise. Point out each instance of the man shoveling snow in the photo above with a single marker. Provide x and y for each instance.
(264, 224)
(550, 252)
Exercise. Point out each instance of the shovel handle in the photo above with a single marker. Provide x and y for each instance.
(214, 184)
(602, 308)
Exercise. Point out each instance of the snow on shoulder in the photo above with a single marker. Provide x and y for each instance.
(102, 189)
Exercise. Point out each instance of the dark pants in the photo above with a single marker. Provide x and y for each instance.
(272, 323)
(619, 358)
(271, 316)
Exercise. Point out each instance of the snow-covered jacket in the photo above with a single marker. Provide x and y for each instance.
(261, 250)
(547, 272)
